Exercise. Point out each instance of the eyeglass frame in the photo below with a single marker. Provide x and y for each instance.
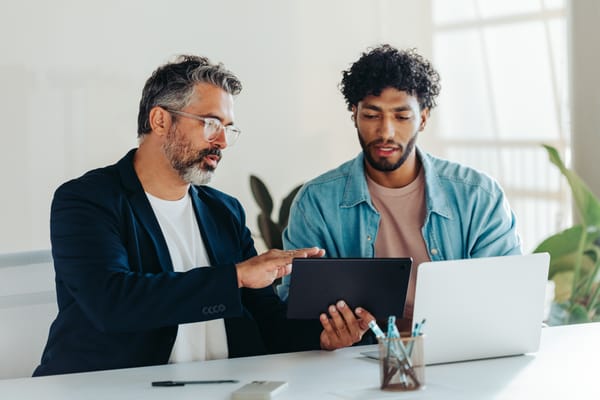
(232, 132)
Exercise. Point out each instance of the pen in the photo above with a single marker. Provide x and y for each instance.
(376, 330)
(416, 329)
(182, 383)
(416, 332)
(392, 329)
(421, 327)
(392, 333)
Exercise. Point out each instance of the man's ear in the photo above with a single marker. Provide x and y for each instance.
(353, 116)
(424, 118)
(160, 120)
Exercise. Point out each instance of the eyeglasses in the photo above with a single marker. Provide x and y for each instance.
(212, 127)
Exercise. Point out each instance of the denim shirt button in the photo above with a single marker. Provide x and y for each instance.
(434, 252)
(369, 238)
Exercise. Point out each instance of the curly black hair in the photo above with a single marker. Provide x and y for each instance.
(385, 66)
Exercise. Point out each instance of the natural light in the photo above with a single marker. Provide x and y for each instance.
(504, 78)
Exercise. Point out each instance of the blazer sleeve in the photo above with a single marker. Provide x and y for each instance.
(277, 332)
(92, 237)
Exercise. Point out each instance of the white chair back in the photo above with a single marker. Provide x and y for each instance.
(27, 308)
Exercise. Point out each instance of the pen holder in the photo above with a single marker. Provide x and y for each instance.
(402, 363)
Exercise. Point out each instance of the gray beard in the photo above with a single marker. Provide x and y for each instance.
(196, 176)
(191, 174)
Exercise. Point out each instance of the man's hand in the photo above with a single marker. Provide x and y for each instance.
(343, 328)
(260, 271)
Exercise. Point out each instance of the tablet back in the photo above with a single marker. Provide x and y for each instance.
(481, 307)
(377, 284)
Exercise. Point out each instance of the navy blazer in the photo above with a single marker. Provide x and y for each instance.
(119, 300)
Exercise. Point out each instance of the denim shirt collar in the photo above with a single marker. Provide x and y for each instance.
(356, 190)
(435, 195)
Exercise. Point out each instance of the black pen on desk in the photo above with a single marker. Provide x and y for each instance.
(182, 383)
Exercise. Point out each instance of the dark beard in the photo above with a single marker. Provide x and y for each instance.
(385, 165)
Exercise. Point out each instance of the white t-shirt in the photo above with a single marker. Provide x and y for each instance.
(198, 340)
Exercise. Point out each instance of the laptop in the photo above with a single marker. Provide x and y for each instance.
(377, 284)
(482, 307)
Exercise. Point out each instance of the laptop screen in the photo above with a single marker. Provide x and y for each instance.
(481, 307)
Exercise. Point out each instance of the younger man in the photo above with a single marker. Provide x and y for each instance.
(394, 199)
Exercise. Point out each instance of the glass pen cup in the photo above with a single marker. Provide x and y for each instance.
(402, 363)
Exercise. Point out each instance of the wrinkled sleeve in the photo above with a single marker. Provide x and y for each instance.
(91, 258)
(301, 232)
(495, 227)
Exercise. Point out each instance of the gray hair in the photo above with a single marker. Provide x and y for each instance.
(172, 85)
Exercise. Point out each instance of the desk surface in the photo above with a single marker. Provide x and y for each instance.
(566, 367)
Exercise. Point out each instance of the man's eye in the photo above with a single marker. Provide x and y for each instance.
(212, 123)
(370, 116)
(402, 117)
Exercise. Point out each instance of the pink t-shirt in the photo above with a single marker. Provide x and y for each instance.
(402, 213)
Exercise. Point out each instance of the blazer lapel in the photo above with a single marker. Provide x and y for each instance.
(207, 224)
(143, 210)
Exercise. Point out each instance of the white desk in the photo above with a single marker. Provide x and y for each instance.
(566, 367)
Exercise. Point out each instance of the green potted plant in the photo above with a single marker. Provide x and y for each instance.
(575, 255)
(271, 230)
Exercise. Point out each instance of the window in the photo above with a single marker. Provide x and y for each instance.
(504, 92)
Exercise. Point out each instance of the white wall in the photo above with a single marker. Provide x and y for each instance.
(71, 74)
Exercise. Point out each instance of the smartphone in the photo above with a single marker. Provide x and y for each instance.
(259, 390)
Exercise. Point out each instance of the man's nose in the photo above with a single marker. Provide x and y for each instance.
(220, 140)
(387, 129)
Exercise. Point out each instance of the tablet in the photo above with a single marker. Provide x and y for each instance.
(377, 284)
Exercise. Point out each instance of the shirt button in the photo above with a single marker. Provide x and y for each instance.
(434, 251)
(369, 238)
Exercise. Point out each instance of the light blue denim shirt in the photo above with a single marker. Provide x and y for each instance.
(467, 214)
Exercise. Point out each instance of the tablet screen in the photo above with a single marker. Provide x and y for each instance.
(377, 284)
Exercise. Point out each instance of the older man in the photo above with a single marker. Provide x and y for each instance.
(152, 266)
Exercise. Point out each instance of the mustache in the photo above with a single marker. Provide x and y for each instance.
(209, 152)
(388, 142)
(190, 162)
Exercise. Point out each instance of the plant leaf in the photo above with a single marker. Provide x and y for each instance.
(578, 314)
(587, 204)
(563, 248)
(562, 243)
(261, 195)
(286, 204)
(563, 282)
(270, 232)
